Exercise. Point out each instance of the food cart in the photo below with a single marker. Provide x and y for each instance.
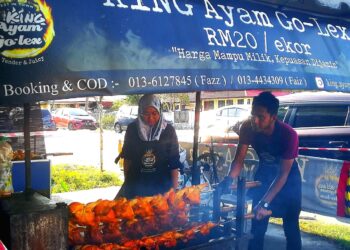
(54, 50)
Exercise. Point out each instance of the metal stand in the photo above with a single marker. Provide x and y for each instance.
(239, 206)
(241, 188)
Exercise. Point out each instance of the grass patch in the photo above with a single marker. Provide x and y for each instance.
(67, 178)
(108, 121)
(337, 233)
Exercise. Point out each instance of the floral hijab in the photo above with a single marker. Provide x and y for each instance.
(146, 132)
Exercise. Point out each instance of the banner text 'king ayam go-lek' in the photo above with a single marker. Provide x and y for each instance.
(62, 49)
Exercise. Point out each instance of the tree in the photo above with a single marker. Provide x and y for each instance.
(117, 104)
(133, 99)
(171, 100)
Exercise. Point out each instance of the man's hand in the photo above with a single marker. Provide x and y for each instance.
(225, 185)
(261, 212)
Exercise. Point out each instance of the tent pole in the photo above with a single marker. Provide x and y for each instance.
(100, 109)
(27, 163)
(195, 169)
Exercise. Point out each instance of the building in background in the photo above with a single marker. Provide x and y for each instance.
(217, 99)
(87, 103)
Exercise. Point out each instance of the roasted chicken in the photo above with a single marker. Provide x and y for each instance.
(123, 224)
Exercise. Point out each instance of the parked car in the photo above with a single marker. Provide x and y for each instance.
(321, 119)
(74, 118)
(48, 122)
(229, 115)
(127, 114)
(218, 133)
(39, 119)
(217, 125)
(12, 124)
(6, 124)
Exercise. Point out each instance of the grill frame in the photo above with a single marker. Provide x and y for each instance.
(32, 221)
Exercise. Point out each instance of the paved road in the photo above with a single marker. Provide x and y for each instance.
(85, 146)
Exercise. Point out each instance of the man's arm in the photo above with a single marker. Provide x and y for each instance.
(275, 187)
(236, 167)
(238, 162)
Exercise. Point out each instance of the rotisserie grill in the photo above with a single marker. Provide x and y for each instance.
(175, 220)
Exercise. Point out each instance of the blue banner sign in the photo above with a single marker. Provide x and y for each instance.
(320, 178)
(63, 49)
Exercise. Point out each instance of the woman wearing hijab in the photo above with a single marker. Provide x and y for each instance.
(150, 152)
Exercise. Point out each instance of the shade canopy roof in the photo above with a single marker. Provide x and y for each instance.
(64, 49)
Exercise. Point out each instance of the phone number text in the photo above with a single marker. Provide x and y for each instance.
(174, 80)
(268, 80)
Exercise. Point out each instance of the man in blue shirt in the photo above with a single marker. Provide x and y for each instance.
(276, 145)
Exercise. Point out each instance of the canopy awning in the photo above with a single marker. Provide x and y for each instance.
(64, 49)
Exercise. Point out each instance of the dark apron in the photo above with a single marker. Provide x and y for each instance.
(269, 151)
(149, 173)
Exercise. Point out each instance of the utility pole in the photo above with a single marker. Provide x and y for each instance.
(100, 109)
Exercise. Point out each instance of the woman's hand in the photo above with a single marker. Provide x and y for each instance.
(175, 178)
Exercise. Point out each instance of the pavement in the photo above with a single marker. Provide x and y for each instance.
(274, 239)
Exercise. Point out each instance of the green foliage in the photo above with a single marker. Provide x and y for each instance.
(108, 121)
(67, 178)
(337, 233)
(133, 99)
(184, 98)
(170, 101)
(117, 104)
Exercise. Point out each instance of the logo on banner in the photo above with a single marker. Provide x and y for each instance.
(26, 30)
(326, 187)
(319, 82)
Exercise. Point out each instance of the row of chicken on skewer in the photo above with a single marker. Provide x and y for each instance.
(121, 220)
(167, 239)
